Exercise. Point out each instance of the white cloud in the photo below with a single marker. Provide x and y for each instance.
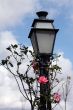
(12, 12)
(9, 96)
(67, 70)
(7, 85)
(66, 64)
(6, 38)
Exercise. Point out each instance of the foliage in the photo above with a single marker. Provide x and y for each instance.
(29, 86)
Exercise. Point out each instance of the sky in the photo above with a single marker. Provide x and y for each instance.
(16, 17)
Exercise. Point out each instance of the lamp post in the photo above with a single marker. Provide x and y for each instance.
(42, 36)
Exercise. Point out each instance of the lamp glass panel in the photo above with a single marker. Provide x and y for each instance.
(34, 43)
(45, 25)
(45, 41)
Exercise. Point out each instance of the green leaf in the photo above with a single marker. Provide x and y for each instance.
(10, 64)
(9, 48)
(14, 46)
(31, 80)
(21, 76)
(24, 51)
(8, 57)
(32, 53)
(16, 53)
(4, 62)
(25, 47)
(19, 63)
(56, 67)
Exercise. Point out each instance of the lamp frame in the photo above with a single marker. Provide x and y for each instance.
(43, 21)
(34, 30)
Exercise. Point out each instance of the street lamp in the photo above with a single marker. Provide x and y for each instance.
(42, 36)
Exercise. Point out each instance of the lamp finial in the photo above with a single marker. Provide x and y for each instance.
(42, 14)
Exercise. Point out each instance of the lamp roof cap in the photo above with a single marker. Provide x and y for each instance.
(42, 14)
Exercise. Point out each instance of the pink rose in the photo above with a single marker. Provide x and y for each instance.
(42, 80)
(56, 97)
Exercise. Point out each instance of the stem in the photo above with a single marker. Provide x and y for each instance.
(29, 86)
(22, 83)
(20, 88)
(32, 107)
(65, 105)
(17, 81)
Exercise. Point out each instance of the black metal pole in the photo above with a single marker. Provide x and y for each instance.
(48, 95)
(45, 103)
